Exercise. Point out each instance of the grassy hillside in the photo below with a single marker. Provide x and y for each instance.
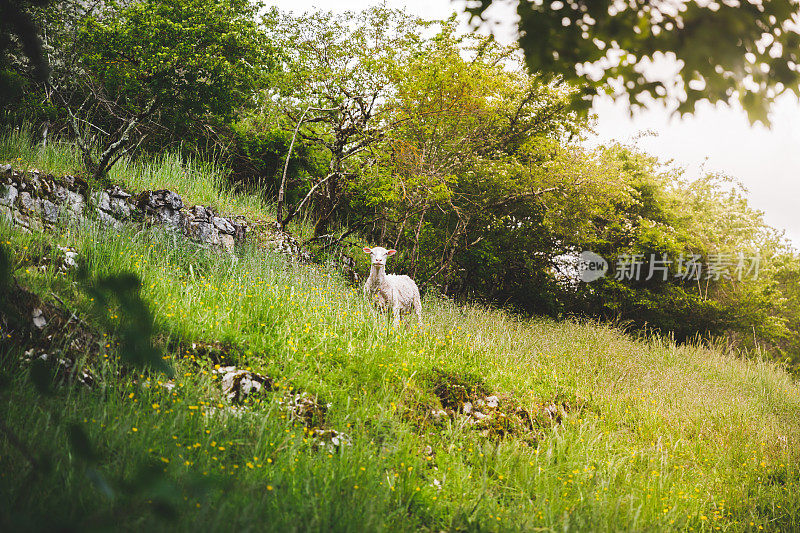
(623, 434)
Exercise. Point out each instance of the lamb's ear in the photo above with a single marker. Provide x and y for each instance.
(391, 252)
(367, 250)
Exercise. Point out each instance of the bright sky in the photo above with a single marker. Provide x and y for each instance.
(766, 161)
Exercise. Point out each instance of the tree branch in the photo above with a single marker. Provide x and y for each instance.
(107, 158)
(294, 211)
(282, 188)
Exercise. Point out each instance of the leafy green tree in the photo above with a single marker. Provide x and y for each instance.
(663, 217)
(730, 51)
(334, 87)
(20, 39)
(259, 157)
(176, 71)
(465, 159)
(787, 281)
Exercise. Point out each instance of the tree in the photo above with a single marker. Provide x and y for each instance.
(334, 87)
(741, 50)
(471, 131)
(660, 216)
(787, 278)
(157, 68)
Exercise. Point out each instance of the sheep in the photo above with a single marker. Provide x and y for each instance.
(398, 293)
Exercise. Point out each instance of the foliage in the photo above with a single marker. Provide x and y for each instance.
(745, 52)
(135, 329)
(177, 73)
(463, 179)
(787, 280)
(336, 79)
(259, 154)
(23, 60)
(195, 59)
(666, 217)
(440, 145)
(500, 227)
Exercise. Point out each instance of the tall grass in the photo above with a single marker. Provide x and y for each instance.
(58, 157)
(198, 182)
(672, 437)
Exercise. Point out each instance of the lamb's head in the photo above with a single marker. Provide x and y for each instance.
(379, 255)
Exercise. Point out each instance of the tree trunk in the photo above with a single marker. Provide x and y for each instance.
(461, 229)
(296, 210)
(328, 201)
(383, 230)
(114, 151)
(281, 190)
(415, 250)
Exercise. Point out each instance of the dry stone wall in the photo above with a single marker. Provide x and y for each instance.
(37, 201)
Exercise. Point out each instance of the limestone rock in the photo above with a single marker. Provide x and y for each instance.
(69, 257)
(117, 192)
(100, 200)
(223, 225)
(50, 211)
(105, 218)
(38, 318)
(163, 206)
(28, 204)
(227, 242)
(29, 199)
(25, 221)
(75, 201)
(304, 408)
(119, 208)
(329, 439)
(8, 193)
(238, 384)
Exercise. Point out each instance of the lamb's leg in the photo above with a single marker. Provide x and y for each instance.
(418, 310)
(396, 321)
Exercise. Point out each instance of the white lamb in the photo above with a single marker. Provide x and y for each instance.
(398, 293)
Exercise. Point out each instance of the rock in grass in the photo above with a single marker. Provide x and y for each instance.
(38, 318)
(8, 193)
(238, 384)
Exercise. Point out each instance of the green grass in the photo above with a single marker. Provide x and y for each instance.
(197, 182)
(681, 438)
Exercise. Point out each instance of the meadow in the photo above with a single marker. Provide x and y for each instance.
(650, 435)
